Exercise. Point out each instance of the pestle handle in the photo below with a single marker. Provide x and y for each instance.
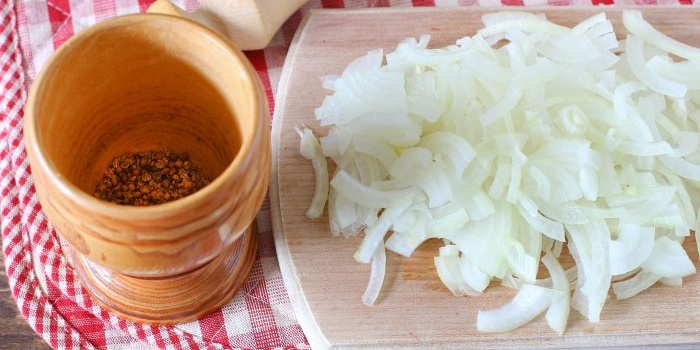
(250, 24)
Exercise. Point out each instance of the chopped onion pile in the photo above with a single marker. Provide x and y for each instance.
(508, 145)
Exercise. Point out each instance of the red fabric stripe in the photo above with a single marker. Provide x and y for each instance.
(160, 342)
(143, 4)
(40, 314)
(191, 344)
(84, 322)
(423, 2)
(512, 2)
(333, 4)
(213, 330)
(603, 2)
(53, 329)
(173, 337)
(140, 333)
(289, 27)
(61, 24)
(257, 59)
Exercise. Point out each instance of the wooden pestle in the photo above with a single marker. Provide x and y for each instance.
(250, 24)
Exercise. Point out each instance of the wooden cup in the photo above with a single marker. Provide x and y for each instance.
(144, 82)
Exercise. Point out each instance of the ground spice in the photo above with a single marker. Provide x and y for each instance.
(149, 178)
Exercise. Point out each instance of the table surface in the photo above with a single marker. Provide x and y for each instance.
(15, 332)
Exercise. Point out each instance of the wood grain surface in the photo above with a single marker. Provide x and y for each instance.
(414, 310)
(15, 332)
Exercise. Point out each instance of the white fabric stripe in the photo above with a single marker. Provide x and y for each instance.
(22, 296)
(38, 270)
(166, 337)
(15, 251)
(32, 305)
(183, 342)
(82, 14)
(62, 283)
(5, 101)
(150, 337)
(190, 328)
(45, 317)
(76, 340)
(127, 6)
(60, 335)
(39, 35)
(131, 327)
(446, 3)
(535, 2)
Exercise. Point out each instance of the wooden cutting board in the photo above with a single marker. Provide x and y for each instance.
(414, 310)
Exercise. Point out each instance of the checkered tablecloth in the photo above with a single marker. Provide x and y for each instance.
(42, 281)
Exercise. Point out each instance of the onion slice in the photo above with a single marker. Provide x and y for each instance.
(311, 149)
(632, 247)
(530, 301)
(668, 259)
(376, 276)
(558, 313)
(636, 24)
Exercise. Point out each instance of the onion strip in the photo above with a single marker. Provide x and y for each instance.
(530, 301)
(311, 149)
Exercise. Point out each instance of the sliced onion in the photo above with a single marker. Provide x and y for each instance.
(404, 243)
(558, 313)
(376, 276)
(672, 282)
(685, 72)
(632, 247)
(527, 137)
(530, 301)
(447, 265)
(311, 149)
(637, 61)
(475, 278)
(382, 151)
(348, 218)
(635, 285)
(589, 246)
(668, 259)
(374, 235)
(635, 24)
(521, 264)
(369, 197)
(548, 227)
(456, 148)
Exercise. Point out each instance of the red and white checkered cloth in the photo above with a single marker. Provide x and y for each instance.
(43, 283)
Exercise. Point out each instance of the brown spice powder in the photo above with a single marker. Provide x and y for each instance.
(149, 178)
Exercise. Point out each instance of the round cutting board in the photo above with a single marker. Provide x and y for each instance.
(414, 310)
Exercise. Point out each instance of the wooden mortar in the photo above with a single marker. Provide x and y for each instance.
(144, 82)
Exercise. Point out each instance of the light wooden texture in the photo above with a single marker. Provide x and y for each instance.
(250, 24)
(177, 299)
(414, 309)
